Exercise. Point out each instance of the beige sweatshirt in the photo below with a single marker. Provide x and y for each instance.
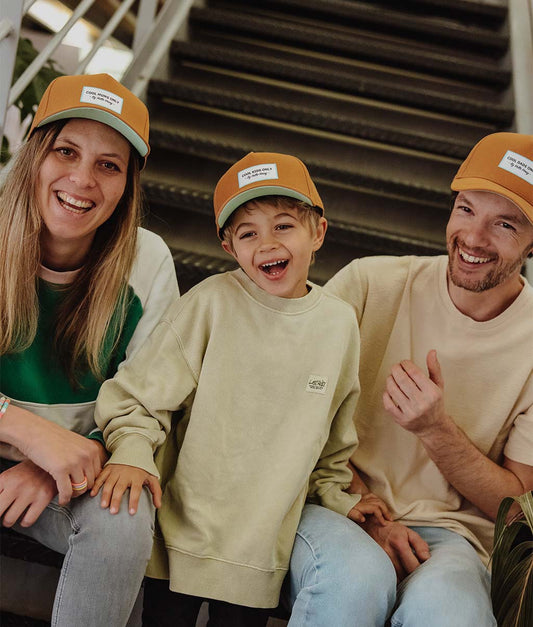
(257, 395)
(404, 310)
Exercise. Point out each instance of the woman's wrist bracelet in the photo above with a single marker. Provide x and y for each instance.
(4, 404)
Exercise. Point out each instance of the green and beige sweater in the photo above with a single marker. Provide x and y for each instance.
(35, 380)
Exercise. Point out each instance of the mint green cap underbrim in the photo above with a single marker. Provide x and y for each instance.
(257, 192)
(98, 115)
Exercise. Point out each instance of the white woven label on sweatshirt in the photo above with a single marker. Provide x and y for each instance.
(103, 98)
(517, 164)
(317, 384)
(261, 172)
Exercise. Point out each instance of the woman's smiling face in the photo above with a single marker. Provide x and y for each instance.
(80, 183)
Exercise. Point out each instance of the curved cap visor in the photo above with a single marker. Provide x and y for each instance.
(250, 194)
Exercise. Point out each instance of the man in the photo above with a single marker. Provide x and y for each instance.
(445, 417)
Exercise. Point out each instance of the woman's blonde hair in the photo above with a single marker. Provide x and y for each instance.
(94, 307)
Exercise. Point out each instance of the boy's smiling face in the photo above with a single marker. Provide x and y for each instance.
(274, 247)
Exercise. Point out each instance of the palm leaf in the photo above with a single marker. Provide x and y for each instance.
(512, 564)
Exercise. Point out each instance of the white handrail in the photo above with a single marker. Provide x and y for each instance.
(109, 28)
(154, 30)
(5, 28)
(29, 74)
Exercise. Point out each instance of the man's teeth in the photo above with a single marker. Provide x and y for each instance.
(73, 203)
(472, 259)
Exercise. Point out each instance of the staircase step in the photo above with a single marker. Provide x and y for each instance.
(19, 546)
(421, 92)
(357, 44)
(387, 18)
(347, 115)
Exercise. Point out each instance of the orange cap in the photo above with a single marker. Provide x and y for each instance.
(96, 97)
(500, 163)
(263, 174)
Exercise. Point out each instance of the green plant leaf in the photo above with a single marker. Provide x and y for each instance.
(512, 564)
(31, 96)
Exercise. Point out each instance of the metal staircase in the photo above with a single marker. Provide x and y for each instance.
(381, 100)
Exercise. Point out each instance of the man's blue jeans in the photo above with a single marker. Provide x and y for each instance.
(340, 576)
(105, 558)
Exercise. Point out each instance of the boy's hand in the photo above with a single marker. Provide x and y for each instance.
(115, 479)
(370, 504)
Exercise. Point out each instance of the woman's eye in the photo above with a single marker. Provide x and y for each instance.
(64, 151)
(109, 165)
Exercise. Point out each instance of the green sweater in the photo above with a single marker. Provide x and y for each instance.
(257, 395)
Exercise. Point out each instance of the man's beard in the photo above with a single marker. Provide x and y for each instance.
(494, 277)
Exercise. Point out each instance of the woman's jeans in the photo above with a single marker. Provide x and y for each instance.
(105, 558)
(340, 576)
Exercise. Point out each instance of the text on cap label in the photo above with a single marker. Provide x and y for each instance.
(103, 98)
(517, 164)
(261, 172)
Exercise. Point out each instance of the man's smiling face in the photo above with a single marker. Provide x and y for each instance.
(488, 239)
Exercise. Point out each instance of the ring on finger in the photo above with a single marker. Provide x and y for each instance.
(78, 487)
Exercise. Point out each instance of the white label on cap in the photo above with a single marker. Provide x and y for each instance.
(261, 172)
(517, 164)
(103, 98)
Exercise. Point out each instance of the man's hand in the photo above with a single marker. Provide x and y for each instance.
(370, 505)
(115, 479)
(414, 399)
(405, 548)
(25, 491)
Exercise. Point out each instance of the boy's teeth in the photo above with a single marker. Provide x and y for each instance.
(268, 267)
(472, 259)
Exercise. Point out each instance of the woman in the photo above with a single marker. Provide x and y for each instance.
(81, 287)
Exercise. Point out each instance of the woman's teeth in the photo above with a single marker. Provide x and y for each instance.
(73, 204)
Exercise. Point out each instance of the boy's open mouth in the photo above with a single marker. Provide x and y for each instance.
(274, 267)
(72, 204)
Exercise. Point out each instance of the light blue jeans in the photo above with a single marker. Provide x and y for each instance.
(339, 576)
(105, 558)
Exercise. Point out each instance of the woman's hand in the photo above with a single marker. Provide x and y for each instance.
(67, 456)
(25, 491)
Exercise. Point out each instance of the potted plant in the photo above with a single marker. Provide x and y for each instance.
(512, 564)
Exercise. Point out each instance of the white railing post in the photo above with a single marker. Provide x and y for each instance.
(10, 19)
(153, 47)
(521, 26)
(145, 21)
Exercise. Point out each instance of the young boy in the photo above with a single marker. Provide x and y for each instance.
(252, 378)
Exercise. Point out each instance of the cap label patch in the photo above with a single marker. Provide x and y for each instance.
(261, 172)
(103, 98)
(317, 384)
(518, 164)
